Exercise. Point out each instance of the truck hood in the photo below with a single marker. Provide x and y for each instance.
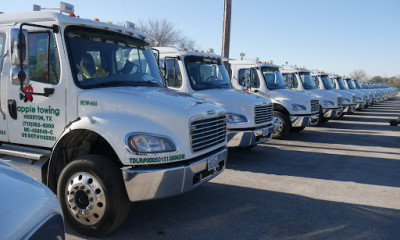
(344, 93)
(291, 96)
(324, 95)
(232, 100)
(148, 102)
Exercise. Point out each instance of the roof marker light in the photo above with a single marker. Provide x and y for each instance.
(129, 25)
(96, 19)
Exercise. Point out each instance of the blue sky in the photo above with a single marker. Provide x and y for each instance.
(335, 36)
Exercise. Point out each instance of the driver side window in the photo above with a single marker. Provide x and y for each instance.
(290, 79)
(173, 74)
(44, 63)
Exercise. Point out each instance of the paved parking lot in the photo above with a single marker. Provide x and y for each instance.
(339, 181)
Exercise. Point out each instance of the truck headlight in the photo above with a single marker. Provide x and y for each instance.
(298, 107)
(329, 103)
(346, 100)
(236, 118)
(144, 143)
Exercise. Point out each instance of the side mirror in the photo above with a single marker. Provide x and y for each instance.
(19, 53)
(15, 71)
(19, 49)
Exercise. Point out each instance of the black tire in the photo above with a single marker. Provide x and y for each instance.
(321, 119)
(249, 148)
(282, 126)
(297, 129)
(94, 184)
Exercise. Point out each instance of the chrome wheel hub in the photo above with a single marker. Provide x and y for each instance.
(85, 198)
(278, 125)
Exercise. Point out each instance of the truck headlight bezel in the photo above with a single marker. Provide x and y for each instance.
(236, 118)
(298, 107)
(145, 143)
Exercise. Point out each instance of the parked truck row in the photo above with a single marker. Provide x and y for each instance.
(95, 113)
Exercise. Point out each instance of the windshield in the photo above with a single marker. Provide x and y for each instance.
(357, 83)
(273, 78)
(307, 80)
(327, 82)
(206, 73)
(351, 84)
(101, 58)
(341, 84)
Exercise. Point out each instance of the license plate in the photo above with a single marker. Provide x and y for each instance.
(212, 162)
(265, 132)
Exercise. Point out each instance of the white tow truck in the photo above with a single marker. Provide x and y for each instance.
(250, 117)
(322, 81)
(367, 97)
(359, 98)
(84, 110)
(293, 110)
(299, 79)
(371, 93)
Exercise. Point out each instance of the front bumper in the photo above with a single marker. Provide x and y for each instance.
(160, 182)
(349, 108)
(360, 105)
(251, 137)
(304, 120)
(333, 112)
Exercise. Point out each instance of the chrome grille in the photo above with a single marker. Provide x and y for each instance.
(263, 114)
(206, 133)
(340, 101)
(315, 105)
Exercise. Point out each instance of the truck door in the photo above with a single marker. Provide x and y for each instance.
(35, 119)
(3, 76)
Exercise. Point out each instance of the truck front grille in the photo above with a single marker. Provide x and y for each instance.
(207, 133)
(340, 101)
(354, 99)
(315, 105)
(263, 114)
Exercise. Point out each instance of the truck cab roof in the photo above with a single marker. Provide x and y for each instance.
(253, 62)
(46, 16)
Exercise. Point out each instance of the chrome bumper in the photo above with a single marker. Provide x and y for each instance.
(249, 138)
(146, 184)
(360, 105)
(304, 120)
(333, 113)
(349, 108)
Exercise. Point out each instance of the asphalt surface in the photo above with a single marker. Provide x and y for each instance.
(338, 181)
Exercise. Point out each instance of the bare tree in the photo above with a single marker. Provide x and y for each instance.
(360, 75)
(165, 33)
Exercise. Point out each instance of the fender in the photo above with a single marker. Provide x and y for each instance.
(79, 137)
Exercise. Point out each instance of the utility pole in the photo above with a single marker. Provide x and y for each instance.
(226, 31)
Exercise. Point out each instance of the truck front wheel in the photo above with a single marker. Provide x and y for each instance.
(93, 196)
(282, 125)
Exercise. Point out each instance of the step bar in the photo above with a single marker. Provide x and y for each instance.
(30, 153)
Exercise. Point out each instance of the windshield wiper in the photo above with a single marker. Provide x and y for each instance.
(112, 84)
(149, 83)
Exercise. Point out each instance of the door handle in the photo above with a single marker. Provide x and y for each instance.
(12, 108)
